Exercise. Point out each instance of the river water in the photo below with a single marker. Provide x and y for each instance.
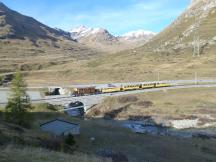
(139, 127)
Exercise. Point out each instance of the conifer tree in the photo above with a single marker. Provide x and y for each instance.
(18, 102)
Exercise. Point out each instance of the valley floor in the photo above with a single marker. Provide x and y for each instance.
(179, 104)
(126, 67)
(101, 137)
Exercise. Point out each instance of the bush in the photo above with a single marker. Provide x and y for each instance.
(45, 106)
(1, 80)
(1, 115)
(95, 112)
(126, 99)
(51, 107)
(145, 104)
(69, 140)
(52, 143)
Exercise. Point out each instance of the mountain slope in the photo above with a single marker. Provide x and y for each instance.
(139, 35)
(179, 36)
(98, 35)
(28, 44)
(101, 38)
(16, 25)
(168, 55)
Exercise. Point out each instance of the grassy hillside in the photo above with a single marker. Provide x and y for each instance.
(27, 44)
(179, 35)
(16, 25)
(170, 53)
(33, 145)
(111, 140)
(24, 55)
(163, 105)
(34, 154)
(128, 67)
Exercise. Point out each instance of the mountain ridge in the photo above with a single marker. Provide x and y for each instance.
(179, 35)
(100, 37)
(170, 52)
(16, 25)
(83, 31)
(27, 44)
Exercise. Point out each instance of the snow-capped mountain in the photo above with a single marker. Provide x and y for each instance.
(80, 32)
(103, 39)
(138, 35)
(84, 32)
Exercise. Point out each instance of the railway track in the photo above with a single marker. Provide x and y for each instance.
(91, 100)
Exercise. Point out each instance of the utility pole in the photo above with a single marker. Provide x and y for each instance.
(196, 39)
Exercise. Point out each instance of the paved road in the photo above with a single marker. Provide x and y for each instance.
(174, 82)
(34, 95)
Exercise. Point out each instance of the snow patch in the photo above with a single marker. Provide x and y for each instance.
(184, 124)
(138, 34)
(83, 31)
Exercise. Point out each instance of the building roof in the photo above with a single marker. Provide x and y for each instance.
(58, 126)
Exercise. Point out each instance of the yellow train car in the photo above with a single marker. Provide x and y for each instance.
(132, 87)
(158, 85)
(111, 90)
(148, 85)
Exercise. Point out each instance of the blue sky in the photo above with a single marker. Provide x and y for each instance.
(118, 16)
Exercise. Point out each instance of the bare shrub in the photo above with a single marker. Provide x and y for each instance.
(145, 104)
(115, 113)
(95, 112)
(168, 103)
(126, 99)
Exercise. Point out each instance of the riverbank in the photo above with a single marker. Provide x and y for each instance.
(108, 138)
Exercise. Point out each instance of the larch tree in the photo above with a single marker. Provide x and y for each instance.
(18, 102)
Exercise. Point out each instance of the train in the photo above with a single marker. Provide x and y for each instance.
(82, 91)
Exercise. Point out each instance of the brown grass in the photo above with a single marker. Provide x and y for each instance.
(109, 137)
(174, 104)
(13, 153)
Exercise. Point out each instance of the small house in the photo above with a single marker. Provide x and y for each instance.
(61, 128)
